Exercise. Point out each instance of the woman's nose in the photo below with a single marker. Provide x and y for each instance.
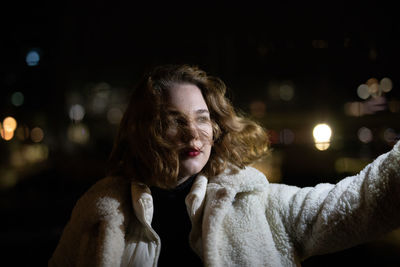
(192, 131)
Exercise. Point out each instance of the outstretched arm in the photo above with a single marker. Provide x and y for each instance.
(327, 217)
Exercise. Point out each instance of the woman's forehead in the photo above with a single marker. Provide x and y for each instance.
(186, 97)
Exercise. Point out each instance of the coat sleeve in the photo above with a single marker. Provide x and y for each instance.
(327, 218)
(95, 233)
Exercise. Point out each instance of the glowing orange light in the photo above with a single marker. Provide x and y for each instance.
(9, 124)
(6, 135)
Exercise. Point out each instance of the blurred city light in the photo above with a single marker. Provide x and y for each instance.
(6, 135)
(7, 128)
(76, 112)
(390, 135)
(386, 85)
(373, 87)
(78, 133)
(17, 99)
(37, 134)
(363, 91)
(32, 58)
(286, 136)
(9, 124)
(29, 154)
(100, 97)
(114, 115)
(322, 136)
(286, 92)
(365, 135)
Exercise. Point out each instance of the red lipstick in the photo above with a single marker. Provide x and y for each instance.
(192, 152)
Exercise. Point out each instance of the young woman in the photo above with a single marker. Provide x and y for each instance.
(181, 192)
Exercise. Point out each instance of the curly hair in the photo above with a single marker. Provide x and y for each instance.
(141, 151)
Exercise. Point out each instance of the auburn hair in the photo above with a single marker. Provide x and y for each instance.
(142, 152)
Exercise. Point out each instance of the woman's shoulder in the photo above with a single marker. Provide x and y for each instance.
(108, 196)
(248, 178)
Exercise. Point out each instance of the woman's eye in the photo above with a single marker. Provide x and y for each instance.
(203, 119)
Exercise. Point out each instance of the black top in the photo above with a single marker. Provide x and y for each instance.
(172, 223)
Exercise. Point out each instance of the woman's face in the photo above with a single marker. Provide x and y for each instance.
(190, 128)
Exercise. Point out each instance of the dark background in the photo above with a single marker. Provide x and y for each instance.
(324, 51)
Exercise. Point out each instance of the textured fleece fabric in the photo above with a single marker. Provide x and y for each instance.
(237, 219)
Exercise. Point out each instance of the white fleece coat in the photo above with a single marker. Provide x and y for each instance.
(237, 219)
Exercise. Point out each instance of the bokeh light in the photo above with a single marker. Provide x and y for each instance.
(389, 135)
(7, 128)
(114, 115)
(17, 99)
(6, 135)
(322, 136)
(363, 91)
(286, 136)
(386, 85)
(29, 154)
(32, 58)
(37, 134)
(286, 92)
(76, 112)
(100, 97)
(365, 135)
(78, 133)
(373, 87)
(9, 124)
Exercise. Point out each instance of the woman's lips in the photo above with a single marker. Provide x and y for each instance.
(192, 152)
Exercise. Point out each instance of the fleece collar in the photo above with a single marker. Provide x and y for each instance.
(142, 201)
(229, 183)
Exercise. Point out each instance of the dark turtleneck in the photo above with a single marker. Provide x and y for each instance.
(172, 223)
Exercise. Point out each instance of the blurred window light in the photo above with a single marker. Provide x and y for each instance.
(17, 99)
(373, 87)
(37, 134)
(322, 136)
(286, 136)
(386, 85)
(9, 124)
(286, 92)
(363, 91)
(114, 115)
(78, 133)
(32, 58)
(76, 112)
(6, 135)
(365, 135)
(390, 135)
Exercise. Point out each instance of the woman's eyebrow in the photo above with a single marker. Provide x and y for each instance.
(201, 111)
